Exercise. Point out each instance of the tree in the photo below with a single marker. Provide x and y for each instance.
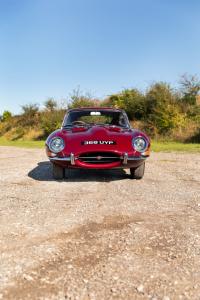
(30, 115)
(78, 99)
(50, 104)
(30, 110)
(162, 110)
(132, 101)
(190, 87)
(6, 115)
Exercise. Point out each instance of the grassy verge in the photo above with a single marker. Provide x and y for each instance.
(174, 146)
(156, 146)
(22, 144)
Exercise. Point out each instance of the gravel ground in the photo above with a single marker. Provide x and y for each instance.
(99, 235)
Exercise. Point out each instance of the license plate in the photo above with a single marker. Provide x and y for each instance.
(98, 143)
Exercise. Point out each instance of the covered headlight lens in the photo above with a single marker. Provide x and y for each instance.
(56, 144)
(139, 144)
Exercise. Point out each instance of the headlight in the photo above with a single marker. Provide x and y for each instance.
(56, 144)
(139, 144)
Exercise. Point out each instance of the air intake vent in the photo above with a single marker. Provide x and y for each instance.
(99, 157)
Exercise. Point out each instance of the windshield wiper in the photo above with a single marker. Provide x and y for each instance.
(102, 124)
(76, 125)
(67, 125)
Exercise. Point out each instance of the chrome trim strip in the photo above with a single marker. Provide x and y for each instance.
(72, 158)
(61, 158)
(136, 158)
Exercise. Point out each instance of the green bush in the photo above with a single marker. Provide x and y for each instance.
(161, 108)
(51, 121)
(6, 116)
(132, 101)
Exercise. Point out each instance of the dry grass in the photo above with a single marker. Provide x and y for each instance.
(33, 134)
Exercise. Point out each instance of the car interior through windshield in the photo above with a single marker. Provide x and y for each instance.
(100, 117)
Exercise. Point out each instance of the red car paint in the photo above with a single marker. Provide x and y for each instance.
(75, 137)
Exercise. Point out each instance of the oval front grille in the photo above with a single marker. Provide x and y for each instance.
(99, 157)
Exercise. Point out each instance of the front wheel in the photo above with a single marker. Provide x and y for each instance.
(58, 172)
(137, 173)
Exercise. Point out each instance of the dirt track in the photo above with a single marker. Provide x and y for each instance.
(99, 235)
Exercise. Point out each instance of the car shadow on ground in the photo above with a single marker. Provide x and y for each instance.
(43, 172)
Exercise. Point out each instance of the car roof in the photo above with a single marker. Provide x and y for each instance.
(95, 108)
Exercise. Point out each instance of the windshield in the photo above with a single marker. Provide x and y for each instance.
(96, 117)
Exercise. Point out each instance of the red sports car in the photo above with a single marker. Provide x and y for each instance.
(97, 138)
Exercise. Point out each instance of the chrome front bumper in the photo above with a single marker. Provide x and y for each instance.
(72, 159)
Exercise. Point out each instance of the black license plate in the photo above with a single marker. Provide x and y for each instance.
(98, 142)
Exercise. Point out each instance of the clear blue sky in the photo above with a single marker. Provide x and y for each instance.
(49, 47)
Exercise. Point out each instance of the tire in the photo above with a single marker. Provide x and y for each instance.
(137, 173)
(58, 172)
(67, 173)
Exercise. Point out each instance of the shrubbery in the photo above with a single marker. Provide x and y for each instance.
(6, 116)
(51, 120)
(132, 101)
(161, 111)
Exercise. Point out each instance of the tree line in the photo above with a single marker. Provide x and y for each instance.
(162, 111)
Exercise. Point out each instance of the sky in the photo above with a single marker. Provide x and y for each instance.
(50, 47)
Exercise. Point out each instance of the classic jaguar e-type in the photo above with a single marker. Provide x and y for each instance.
(97, 138)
